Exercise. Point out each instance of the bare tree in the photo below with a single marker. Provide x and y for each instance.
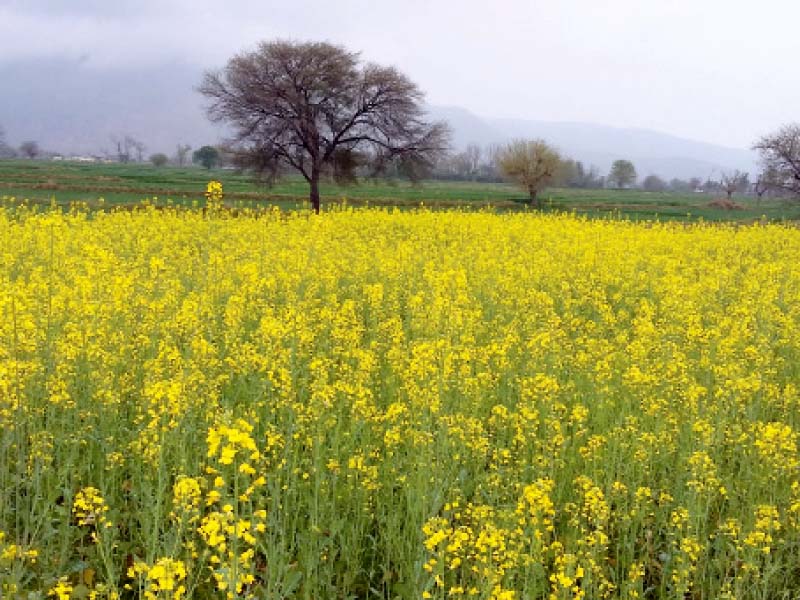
(710, 186)
(493, 154)
(6, 151)
(473, 155)
(571, 173)
(123, 148)
(733, 181)
(314, 108)
(457, 165)
(567, 173)
(182, 154)
(574, 174)
(531, 164)
(137, 147)
(767, 180)
(780, 152)
(126, 146)
(29, 149)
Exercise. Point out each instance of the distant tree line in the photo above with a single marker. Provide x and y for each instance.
(483, 164)
(6, 151)
(27, 149)
(779, 175)
(532, 164)
(127, 149)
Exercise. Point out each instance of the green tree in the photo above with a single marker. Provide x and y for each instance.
(654, 183)
(623, 174)
(208, 156)
(159, 159)
(531, 165)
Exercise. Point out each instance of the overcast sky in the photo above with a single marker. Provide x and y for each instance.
(724, 71)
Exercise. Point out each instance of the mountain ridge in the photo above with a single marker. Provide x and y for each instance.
(73, 108)
(655, 152)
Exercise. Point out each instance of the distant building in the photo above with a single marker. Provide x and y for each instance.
(85, 159)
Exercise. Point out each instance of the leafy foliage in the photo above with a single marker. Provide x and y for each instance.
(159, 159)
(623, 173)
(531, 164)
(207, 156)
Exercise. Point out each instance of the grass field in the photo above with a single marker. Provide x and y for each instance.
(386, 404)
(41, 181)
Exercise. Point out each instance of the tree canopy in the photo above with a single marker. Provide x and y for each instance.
(317, 109)
(734, 181)
(208, 156)
(623, 173)
(29, 149)
(780, 156)
(159, 159)
(531, 164)
(654, 183)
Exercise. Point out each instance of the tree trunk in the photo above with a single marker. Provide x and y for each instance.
(314, 193)
(534, 198)
(730, 193)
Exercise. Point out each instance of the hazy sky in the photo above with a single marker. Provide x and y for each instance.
(723, 71)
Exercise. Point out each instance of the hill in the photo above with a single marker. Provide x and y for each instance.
(652, 151)
(71, 107)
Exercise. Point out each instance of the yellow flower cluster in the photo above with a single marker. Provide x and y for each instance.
(396, 405)
(62, 590)
(767, 524)
(214, 191)
(231, 541)
(14, 559)
(224, 443)
(10, 553)
(89, 508)
(187, 495)
(164, 579)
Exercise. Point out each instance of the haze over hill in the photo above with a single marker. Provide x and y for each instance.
(651, 151)
(69, 106)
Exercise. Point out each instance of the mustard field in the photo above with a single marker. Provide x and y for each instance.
(383, 404)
